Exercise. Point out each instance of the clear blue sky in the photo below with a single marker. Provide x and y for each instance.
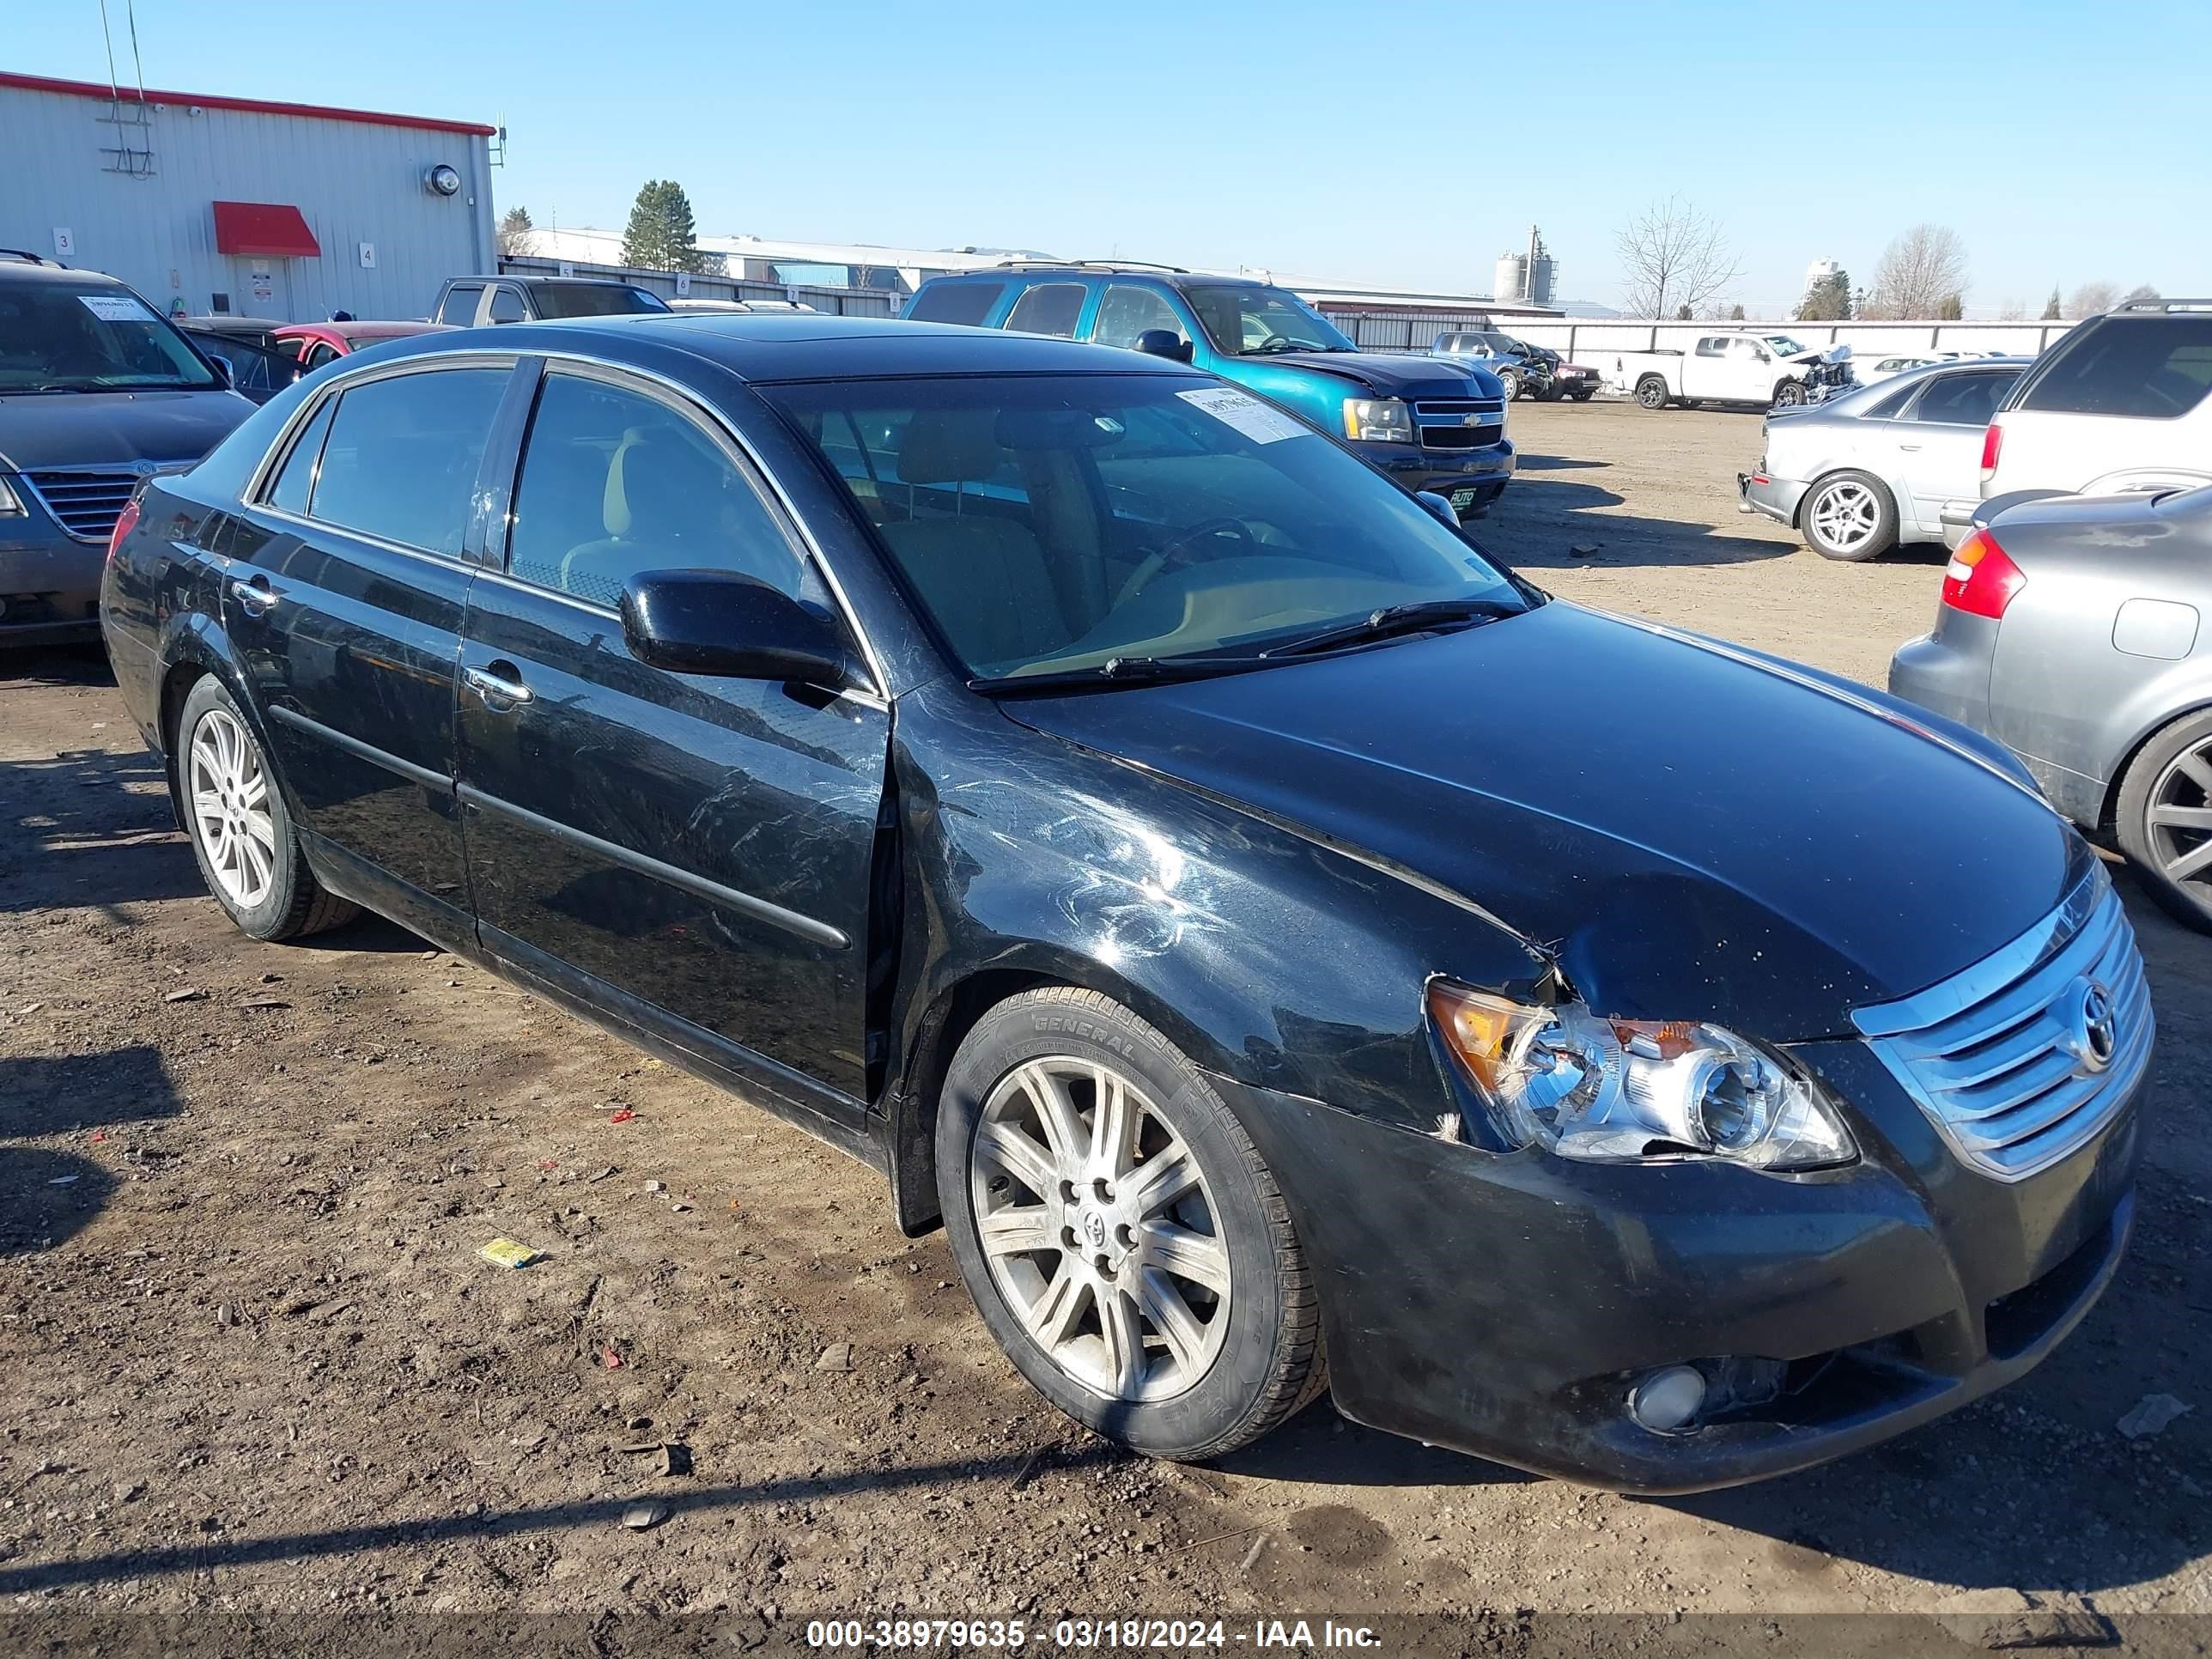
(2062, 143)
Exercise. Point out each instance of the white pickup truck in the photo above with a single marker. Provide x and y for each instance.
(1767, 371)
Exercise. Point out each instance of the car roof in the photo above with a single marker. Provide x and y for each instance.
(19, 271)
(224, 323)
(818, 346)
(361, 328)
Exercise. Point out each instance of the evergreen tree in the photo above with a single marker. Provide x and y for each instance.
(514, 229)
(2051, 305)
(1950, 309)
(1828, 301)
(660, 235)
(1681, 313)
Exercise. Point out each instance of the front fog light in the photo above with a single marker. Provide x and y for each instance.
(1618, 1090)
(1668, 1400)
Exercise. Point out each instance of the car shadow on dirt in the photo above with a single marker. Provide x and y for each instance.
(47, 1195)
(1539, 521)
(205, 1554)
(1526, 462)
(89, 826)
(1320, 1448)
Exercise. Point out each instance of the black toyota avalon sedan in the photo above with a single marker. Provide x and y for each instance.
(1283, 947)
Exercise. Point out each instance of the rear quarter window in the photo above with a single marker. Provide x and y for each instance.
(2150, 369)
(966, 303)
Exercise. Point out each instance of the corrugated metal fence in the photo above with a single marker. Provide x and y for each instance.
(1414, 331)
(837, 301)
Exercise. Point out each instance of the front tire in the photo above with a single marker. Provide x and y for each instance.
(1123, 1238)
(1789, 394)
(2164, 819)
(1511, 384)
(241, 829)
(1850, 517)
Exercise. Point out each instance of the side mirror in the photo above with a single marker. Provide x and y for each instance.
(1164, 343)
(1440, 508)
(733, 627)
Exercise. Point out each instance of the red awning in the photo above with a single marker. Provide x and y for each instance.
(273, 229)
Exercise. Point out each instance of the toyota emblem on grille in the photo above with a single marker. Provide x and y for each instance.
(2092, 1025)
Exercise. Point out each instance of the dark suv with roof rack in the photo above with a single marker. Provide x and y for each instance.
(1432, 425)
(97, 394)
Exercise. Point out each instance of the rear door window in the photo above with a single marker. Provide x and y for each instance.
(297, 480)
(1048, 308)
(2150, 369)
(506, 307)
(967, 303)
(460, 304)
(1127, 310)
(403, 455)
(1962, 400)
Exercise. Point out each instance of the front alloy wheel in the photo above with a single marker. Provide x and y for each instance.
(1101, 1229)
(1125, 1244)
(1850, 517)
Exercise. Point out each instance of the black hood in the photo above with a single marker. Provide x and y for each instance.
(1393, 377)
(1692, 832)
(88, 429)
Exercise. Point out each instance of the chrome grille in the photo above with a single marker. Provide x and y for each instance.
(86, 500)
(2007, 1058)
(1459, 422)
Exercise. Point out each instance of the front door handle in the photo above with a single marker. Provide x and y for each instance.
(500, 685)
(1909, 447)
(253, 594)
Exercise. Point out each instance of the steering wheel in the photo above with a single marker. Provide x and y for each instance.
(1168, 555)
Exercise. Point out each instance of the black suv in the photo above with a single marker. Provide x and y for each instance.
(97, 394)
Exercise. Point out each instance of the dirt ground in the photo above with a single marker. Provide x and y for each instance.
(254, 1359)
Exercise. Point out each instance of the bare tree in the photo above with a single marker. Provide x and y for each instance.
(2091, 298)
(2013, 310)
(1919, 270)
(1672, 259)
(2141, 294)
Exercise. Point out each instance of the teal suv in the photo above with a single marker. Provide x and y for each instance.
(1431, 425)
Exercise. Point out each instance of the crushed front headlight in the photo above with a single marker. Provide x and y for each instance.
(1378, 420)
(1618, 1090)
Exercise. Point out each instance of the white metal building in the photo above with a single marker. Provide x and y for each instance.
(208, 204)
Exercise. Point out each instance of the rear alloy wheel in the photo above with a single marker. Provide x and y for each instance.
(1651, 392)
(1121, 1236)
(240, 830)
(1849, 516)
(2164, 819)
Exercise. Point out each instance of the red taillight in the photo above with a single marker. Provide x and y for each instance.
(126, 522)
(1993, 441)
(1980, 580)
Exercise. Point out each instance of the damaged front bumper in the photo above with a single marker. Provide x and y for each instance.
(1507, 1305)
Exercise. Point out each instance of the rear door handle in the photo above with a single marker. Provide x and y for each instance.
(253, 594)
(500, 685)
(1908, 447)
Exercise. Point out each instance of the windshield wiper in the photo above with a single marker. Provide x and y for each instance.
(1122, 670)
(1418, 617)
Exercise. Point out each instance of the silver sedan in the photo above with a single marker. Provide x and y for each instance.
(2072, 629)
(1860, 473)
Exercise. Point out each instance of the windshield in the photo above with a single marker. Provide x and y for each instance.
(1050, 524)
(594, 300)
(1257, 321)
(1782, 346)
(67, 336)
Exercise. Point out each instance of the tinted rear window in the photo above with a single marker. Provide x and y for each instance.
(403, 453)
(1048, 308)
(2148, 368)
(460, 304)
(594, 300)
(969, 303)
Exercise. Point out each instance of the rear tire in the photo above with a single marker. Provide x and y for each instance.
(1148, 1282)
(1849, 517)
(241, 829)
(1651, 392)
(2164, 819)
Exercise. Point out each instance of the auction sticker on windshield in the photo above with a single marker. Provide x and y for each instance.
(1262, 424)
(115, 308)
